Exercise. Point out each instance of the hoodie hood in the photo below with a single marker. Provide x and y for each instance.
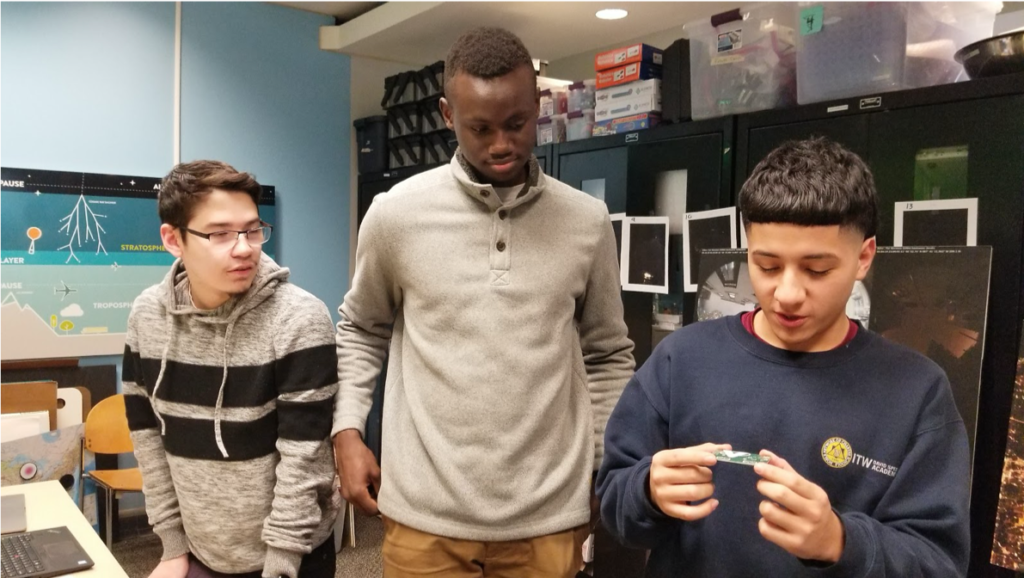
(179, 306)
(179, 302)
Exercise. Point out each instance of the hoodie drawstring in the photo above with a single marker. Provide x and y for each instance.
(220, 393)
(160, 376)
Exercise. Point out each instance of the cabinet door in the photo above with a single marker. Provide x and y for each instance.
(669, 178)
(369, 190)
(543, 154)
(972, 149)
(849, 131)
(600, 173)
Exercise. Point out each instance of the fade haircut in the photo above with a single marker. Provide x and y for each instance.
(187, 183)
(485, 52)
(813, 182)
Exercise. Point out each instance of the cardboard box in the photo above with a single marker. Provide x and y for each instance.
(626, 124)
(628, 106)
(629, 90)
(31, 396)
(628, 73)
(626, 55)
(628, 99)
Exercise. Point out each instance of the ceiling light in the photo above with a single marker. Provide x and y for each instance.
(611, 14)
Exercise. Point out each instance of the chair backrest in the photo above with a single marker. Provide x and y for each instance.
(106, 428)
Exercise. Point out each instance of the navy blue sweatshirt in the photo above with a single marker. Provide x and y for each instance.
(871, 422)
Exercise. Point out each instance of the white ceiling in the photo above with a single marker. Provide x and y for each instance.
(421, 32)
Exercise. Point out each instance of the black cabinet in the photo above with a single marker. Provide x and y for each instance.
(664, 171)
(543, 155)
(599, 170)
(944, 142)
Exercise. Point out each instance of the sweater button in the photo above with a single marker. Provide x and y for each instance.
(502, 214)
(501, 245)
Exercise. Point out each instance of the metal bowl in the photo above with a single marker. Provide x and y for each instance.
(1003, 54)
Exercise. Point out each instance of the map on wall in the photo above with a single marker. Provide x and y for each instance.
(75, 250)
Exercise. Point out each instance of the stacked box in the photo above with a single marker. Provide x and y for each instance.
(628, 99)
(626, 124)
(628, 87)
(626, 55)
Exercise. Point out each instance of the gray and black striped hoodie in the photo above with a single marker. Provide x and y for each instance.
(230, 413)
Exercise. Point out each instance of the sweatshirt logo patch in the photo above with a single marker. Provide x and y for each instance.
(836, 452)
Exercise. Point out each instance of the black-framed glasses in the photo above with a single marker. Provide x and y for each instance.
(254, 237)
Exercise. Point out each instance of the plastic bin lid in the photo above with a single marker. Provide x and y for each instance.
(361, 122)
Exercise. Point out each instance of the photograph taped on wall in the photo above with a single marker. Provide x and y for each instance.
(715, 229)
(742, 230)
(951, 222)
(934, 300)
(645, 254)
(1008, 539)
(76, 249)
(725, 287)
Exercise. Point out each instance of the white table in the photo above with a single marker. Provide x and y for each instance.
(47, 505)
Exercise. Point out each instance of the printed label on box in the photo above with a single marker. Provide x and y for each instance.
(730, 59)
(730, 40)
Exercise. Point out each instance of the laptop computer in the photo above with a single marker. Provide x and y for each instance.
(40, 553)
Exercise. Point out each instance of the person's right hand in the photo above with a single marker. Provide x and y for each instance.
(171, 568)
(681, 476)
(357, 469)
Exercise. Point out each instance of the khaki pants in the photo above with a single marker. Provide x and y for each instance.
(410, 553)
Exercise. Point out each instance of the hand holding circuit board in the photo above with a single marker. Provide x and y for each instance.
(796, 515)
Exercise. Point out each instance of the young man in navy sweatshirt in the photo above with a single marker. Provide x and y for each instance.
(868, 471)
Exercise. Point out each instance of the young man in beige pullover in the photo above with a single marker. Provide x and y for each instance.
(498, 288)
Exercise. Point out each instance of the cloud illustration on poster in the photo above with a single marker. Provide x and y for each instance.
(73, 310)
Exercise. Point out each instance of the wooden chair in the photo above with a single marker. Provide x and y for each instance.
(106, 432)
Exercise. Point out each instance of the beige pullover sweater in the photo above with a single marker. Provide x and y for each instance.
(508, 351)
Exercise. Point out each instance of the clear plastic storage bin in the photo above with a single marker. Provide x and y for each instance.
(742, 61)
(579, 124)
(863, 48)
(581, 95)
(553, 102)
(550, 129)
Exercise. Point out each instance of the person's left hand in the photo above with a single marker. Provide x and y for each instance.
(797, 516)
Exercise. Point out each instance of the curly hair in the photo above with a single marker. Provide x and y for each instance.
(813, 182)
(187, 183)
(485, 52)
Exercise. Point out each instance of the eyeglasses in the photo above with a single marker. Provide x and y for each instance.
(254, 237)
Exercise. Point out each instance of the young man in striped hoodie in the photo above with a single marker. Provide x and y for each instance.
(229, 380)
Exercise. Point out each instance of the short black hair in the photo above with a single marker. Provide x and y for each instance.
(187, 183)
(485, 52)
(813, 182)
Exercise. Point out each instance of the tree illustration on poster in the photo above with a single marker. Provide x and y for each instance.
(75, 250)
